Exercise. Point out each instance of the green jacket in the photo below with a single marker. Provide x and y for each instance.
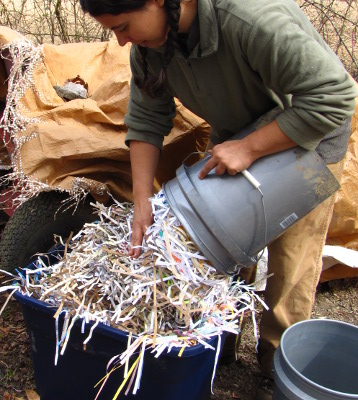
(253, 55)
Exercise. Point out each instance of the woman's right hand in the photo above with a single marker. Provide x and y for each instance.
(142, 219)
(144, 160)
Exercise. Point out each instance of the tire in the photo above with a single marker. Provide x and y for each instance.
(31, 228)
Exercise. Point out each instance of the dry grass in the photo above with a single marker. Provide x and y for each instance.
(337, 22)
(51, 21)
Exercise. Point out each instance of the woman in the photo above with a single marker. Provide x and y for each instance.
(230, 62)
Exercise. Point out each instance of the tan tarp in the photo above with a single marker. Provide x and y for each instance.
(85, 138)
(343, 230)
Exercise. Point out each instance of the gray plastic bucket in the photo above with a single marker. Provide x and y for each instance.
(231, 221)
(317, 359)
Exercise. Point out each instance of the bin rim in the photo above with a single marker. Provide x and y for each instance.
(109, 331)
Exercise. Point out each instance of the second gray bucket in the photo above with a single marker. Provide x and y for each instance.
(231, 221)
(317, 360)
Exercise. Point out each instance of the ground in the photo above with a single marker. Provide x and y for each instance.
(336, 299)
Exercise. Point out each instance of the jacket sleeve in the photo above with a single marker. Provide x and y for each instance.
(293, 59)
(148, 120)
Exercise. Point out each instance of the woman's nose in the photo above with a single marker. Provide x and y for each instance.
(122, 38)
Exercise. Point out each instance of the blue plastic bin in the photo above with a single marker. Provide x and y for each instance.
(167, 377)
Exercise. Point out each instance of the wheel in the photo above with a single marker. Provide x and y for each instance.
(31, 228)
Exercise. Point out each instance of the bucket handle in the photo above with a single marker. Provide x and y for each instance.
(205, 153)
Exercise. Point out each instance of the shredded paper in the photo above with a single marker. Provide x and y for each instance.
(171, 296)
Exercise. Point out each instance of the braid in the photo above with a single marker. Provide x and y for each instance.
(142, 83)
(154, 86)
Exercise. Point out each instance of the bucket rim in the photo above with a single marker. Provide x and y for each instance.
(301, 376)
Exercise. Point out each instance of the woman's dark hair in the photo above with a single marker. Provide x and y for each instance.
(153, 86)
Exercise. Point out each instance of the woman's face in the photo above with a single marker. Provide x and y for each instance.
(147, 26)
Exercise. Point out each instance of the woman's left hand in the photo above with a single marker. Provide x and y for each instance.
(234, 156)
(229, 157)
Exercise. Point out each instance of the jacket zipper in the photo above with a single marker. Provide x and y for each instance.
(192, 75)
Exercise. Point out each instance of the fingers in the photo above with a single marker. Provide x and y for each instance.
(208, 166)
(136, 240)
(223, 159)
(136, 246)
(138, 232)
(233, 171)
(142, 219)
(220, 169)
(135, 251)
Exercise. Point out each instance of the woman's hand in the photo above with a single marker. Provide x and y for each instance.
(227, 157)
(142, 219)
(234, 156)
(144, 160)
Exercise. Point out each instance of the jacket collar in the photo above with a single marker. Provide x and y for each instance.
(209, 35)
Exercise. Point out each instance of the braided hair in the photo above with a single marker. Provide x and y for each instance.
(153, 86)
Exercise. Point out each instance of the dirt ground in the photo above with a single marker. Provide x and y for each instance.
(335, 300)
